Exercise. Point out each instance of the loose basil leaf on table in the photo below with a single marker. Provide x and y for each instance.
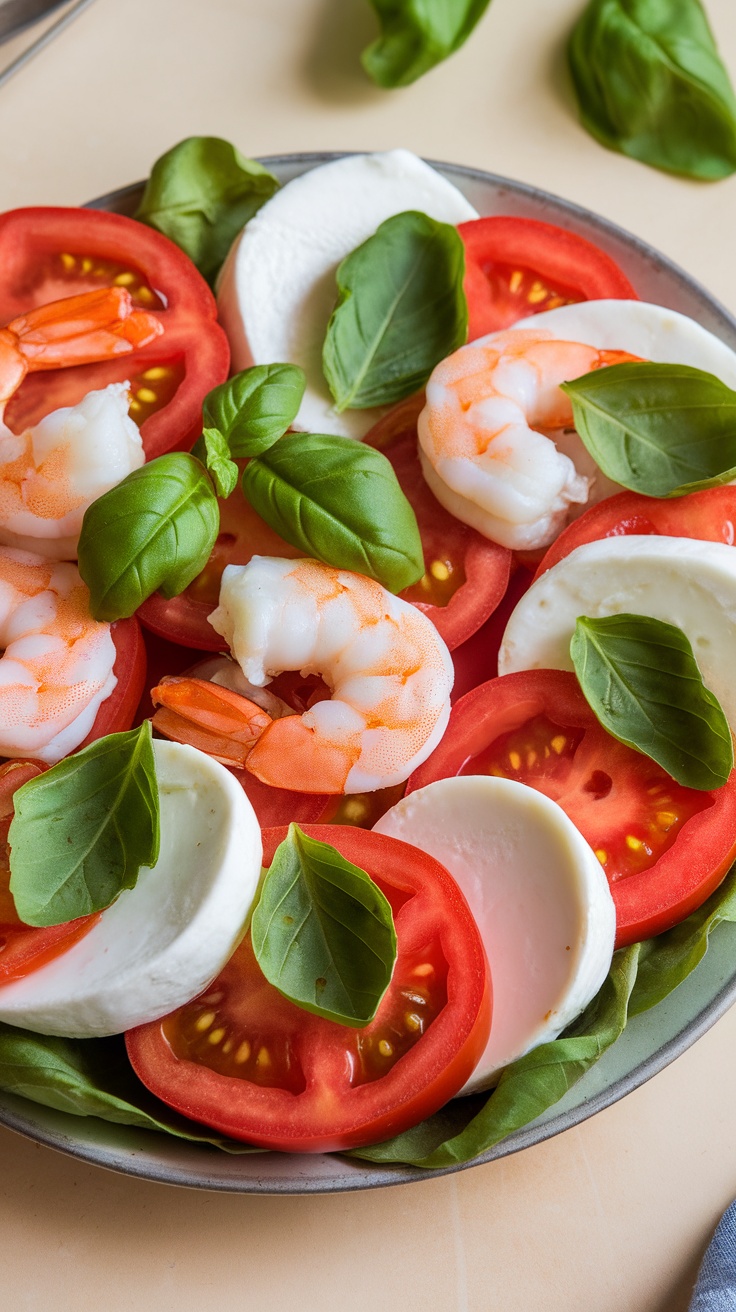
(640, 976)
(659, 429)
(401, 309)
(200, 194)
(417, 36)
(339, 501)
(82, 830)
(640, 678)
(323, 932)
(650, 83)
(154, 530)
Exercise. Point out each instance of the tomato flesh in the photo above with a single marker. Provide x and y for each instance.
(117, 712)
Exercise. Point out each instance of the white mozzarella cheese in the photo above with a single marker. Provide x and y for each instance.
(277, 288)
(165, 940)
(538, 893)
(682, 581)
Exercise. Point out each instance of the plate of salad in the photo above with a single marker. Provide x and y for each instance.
(375, 520)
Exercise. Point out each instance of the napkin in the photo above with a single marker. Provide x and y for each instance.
(715, 1288)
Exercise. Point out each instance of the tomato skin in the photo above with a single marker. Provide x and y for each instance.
(567, 266)
(31, 242)
(118, 710)
(328, 1113)
(650, 900)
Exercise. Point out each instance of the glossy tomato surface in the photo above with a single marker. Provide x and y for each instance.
(664, 847)
(118, 710)
(244, 1060)
(516, 267)
(49, 253)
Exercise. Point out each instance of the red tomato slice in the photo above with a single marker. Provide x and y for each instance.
(50, 253)
(516, 267)
(117, 712)
(466, 575)
(663, 847)
(476, 660)
(281, 1078)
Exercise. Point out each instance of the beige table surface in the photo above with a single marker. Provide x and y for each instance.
(614, 1215)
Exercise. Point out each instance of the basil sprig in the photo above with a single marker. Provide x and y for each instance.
(415, 37)
(323, 933)
(339, 501)
(200, 194)
(401, 309)
(659, 429)
(155, 530)
(650, 83)
(245, 416)
(82, 830)
(641, 679)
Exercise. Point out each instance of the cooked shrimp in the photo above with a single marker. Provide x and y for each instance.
(387, 668)
(57, 663)
(50, 474)
(479, 441)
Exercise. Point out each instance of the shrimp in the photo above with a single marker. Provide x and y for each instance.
(481, 450)
(50, 474)
(387, 669)
(57, 663)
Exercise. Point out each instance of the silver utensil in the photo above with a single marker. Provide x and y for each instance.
(15, 15)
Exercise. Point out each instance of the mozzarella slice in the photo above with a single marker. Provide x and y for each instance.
(165, 940)
(277, 288)
(538, 893)
(682, 581)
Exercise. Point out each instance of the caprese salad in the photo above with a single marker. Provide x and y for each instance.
(365, 692)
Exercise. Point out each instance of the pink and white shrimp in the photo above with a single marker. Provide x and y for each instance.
(57, 664)
(483, 438)
(387, 669)
(50, 474)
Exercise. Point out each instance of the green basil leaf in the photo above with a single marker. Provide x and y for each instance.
(82, 830)
(154, 530)
(255, 408)
(323, 932)
(214, 452)
(401, 309)
(641, 679)
(649, 82)
(91, 1077)
(659, 429)
(200, 194)
(416, 35)
(340, 502)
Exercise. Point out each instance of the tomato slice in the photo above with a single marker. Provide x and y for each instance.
(49, 253)
(516, 267)
(664, 847)
(118, 710)
(243, 1059)
(466, 574)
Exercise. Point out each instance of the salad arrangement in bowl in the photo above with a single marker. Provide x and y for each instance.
(365, 697)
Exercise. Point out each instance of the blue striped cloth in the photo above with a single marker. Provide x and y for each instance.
(715, 1288)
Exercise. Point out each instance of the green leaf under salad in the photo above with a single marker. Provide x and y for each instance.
(82, 830)
(340, 502)
(416, 35)
(401, 309)
(201, 193)
(154, 530)
(659, 429)
(650, 83)
(641, 679)
(323, 933)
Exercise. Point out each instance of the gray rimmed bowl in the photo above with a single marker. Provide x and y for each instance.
(650, 1041)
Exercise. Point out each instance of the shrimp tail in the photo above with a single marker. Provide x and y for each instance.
(222, 723)
(292, 754)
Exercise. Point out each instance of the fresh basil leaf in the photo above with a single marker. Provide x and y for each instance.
(659, 429)
(339, 501)
(323, 933)
(214, 452)
(82, 830)
(154, 530)
(649, 82)
(91, 1077)
(416, 35)
(401, 309)
(641, 680)
(200, 194)
(255, 408)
